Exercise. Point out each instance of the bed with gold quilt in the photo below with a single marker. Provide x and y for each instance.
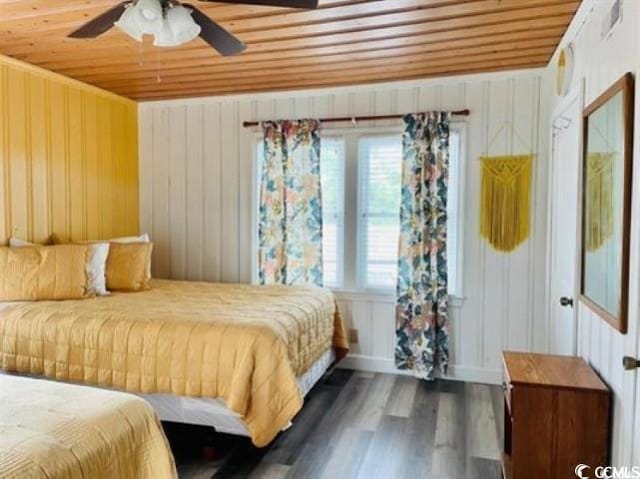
(197, 351)
(51, 430)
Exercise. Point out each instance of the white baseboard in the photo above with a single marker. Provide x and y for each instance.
(456, 373)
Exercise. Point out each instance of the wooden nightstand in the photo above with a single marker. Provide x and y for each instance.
(556, 416)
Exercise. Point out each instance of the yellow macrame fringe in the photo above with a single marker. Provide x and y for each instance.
(505, 200)
(599, 217)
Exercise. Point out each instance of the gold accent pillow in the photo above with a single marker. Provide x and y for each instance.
(43, 273)
(129, 266)
(143, 238)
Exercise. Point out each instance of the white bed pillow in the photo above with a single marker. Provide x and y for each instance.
(97, 263)
(96, 269)
(95, 266)
(18, 243)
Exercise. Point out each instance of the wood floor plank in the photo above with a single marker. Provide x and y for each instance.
(286, 448)
(320, 444)
(386, 454)
(402, 397)
(360, 426)
(243, 460)
(449, 451)
(270, 471)
(497, 399)
(421, 431)
(347, 455)
(482, 437)
(352, 398)
(479, 468)
(369, 415)
(338, 378)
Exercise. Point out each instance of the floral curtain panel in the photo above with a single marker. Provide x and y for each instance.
(290, 230)
(421, 306)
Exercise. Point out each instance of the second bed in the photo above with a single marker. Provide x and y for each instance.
(239, 358)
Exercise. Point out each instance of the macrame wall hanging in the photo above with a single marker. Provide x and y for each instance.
(505, 204)
(599, 207)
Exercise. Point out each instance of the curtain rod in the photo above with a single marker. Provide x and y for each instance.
(248, 124)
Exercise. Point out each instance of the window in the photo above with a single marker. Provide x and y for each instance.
(380, 183)
(361, 176)
(454, 203)
(380, 169)
(332, 180)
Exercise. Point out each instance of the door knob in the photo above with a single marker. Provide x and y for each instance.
(630, 363)
(564, 301)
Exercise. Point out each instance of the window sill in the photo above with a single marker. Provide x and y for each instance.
(383, 296)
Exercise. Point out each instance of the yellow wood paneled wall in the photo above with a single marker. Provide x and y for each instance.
(68, 157)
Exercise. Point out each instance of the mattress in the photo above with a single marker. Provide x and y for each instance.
(54, 431)
(215, 413)
(242, 344)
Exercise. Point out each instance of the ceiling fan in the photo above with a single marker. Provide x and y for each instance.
(173, 23)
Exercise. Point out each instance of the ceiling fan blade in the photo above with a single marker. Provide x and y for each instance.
(310, 4)
(215, 35)
(101, 23)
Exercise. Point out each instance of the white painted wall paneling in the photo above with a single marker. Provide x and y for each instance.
(197, 196)
(599, 62)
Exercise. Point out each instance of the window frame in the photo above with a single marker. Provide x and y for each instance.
(341, 237)
(361, 236)
(351, 234)
(256, 165)
(460, 127)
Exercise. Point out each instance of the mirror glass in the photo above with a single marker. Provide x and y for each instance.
(603, 205)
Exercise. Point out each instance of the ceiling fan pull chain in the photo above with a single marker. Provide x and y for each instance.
(158, 77)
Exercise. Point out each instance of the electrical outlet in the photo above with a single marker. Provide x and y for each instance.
(353, 336)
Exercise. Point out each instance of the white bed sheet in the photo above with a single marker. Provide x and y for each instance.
(214, 412)
(4, 305)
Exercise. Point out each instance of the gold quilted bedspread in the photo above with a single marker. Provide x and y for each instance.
(51, 430)
(242, 343)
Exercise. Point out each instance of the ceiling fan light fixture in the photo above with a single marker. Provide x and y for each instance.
(149, 16)
(182, 24)
(128, 23)
(165, 38)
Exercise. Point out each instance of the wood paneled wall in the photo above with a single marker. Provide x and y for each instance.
(197, 187)
(600, 62)
(343, 42)
(68, 157)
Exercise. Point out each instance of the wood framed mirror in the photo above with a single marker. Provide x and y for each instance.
(606, 202)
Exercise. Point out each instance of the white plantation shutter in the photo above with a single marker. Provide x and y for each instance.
(380, 184)
(332, 177)
(453, 204)
(380, 189)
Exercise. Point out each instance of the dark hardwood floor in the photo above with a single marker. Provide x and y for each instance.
(363, 425)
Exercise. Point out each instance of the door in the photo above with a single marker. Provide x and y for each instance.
(564, 247)
(635, 440)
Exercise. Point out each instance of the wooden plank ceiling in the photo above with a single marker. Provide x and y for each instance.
(343, 42)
